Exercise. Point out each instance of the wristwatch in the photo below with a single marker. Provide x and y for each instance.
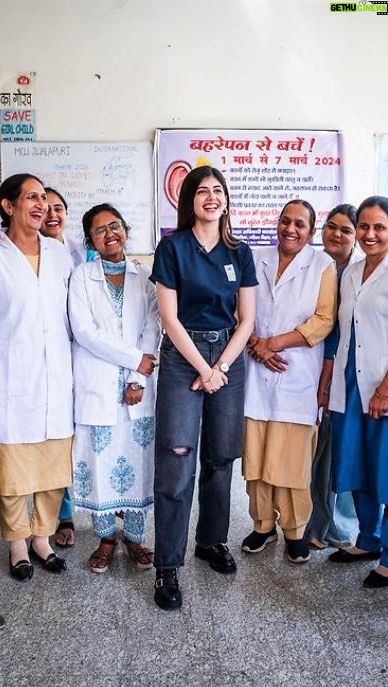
(224, 367)
(135, 386)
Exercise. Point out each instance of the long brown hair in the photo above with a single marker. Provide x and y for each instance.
(186, 217)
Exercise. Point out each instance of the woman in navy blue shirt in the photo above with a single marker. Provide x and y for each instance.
(202, 275)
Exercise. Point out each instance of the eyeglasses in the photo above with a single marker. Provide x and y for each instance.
(101, 232)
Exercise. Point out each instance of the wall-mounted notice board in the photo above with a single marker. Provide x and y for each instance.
(90, 173)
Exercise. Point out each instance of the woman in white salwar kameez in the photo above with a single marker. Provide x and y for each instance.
(113, 313)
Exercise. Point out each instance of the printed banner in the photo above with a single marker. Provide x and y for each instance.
(263, 170)
(17, 112)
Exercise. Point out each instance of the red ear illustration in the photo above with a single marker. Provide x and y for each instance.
(173, 180)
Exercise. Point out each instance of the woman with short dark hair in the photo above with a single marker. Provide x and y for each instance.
(333, 519)
(114, 318)
(296, 306)
(36, 401)
(359, 392)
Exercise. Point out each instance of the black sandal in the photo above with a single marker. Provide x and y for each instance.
(68, 538)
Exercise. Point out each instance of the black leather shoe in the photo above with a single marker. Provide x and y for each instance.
(218, 557)
(343, 556)
(22, 570)
(375, 580)
(167, 594)
(52, 564)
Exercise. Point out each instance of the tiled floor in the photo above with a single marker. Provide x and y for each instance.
(271, 624)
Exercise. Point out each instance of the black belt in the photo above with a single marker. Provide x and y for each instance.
(211, 336)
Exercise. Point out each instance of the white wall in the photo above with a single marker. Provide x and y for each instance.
(202, 63)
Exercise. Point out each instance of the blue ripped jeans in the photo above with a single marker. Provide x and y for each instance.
(181, 414)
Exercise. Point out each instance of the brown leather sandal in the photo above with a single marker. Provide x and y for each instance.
(102, 557)
(141, 556)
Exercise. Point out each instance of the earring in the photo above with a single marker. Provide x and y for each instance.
(225, 211)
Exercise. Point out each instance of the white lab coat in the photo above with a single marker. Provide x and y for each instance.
(103, 342)
(290, 396)
(35, 350)
(367, 303)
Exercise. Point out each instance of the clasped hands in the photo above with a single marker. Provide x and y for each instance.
(267, 351)
(212, 383)
(147, 365)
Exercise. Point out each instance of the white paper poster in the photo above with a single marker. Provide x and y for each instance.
(90, 173)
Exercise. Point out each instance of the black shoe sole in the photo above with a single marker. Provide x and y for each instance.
(223, 571)
(271, 539)
(299, 559)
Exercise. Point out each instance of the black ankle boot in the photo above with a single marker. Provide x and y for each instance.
(167, 594)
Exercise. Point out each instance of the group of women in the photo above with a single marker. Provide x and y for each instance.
(283, 377)
(242, 336)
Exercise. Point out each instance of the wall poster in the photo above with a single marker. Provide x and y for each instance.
(87, 174)
(17, 106)
(264, 169)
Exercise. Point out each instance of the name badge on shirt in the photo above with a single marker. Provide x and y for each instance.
(230, 273)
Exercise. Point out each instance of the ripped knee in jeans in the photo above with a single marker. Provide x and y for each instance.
(181, 450)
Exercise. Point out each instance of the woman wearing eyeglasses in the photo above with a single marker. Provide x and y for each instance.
(113, 314)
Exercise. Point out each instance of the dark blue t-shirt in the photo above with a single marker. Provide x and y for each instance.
(206, 283)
